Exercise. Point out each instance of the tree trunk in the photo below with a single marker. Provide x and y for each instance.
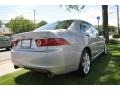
(105, 22)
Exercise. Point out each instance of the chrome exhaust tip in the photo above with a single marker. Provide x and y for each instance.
(16, 67)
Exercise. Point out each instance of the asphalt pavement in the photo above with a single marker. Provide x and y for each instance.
(6, 65)
(4, 55)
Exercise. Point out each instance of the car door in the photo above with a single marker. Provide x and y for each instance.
(1, 42)
(85, 29)
(4, 42)
(99, 40)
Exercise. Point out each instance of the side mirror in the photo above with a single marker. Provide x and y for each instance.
(100, 33)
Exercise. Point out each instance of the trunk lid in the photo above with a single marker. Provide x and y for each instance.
(26, 41)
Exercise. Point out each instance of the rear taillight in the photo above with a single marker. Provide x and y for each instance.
(51, 42)
(14, 43)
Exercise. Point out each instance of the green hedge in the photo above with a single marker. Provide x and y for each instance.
(116, 36)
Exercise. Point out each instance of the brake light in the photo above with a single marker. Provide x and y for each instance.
(14, 43)
(51, 42)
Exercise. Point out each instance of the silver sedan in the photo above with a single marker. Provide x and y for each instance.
(58, 48)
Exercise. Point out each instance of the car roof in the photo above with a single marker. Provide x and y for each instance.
(74, 20)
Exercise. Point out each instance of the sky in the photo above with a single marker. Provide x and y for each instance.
(52, 13)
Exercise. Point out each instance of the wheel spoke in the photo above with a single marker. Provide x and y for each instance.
(86, 63)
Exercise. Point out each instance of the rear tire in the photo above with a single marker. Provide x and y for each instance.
(85, 63)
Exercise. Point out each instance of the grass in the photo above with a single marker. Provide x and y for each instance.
(104, 70)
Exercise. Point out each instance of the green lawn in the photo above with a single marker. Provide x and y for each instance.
(104, 70)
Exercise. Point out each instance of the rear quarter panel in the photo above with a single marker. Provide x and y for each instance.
(71, 52)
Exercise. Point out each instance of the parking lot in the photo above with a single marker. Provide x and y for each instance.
(6, 65)
(4, 55)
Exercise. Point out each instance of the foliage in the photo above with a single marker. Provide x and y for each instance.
(0, 23)
(75, 7)
(113, 41)
(7, 24)
(119, 31)
(20, 24)
(41, 23)
(112, 29)
(116, 36)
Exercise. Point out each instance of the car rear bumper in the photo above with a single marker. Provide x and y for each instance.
(52, 61)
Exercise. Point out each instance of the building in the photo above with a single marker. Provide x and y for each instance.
(4, 31)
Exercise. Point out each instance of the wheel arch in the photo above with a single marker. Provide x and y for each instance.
(79, 68)
(89, 50)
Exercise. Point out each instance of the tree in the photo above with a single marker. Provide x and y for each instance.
(0, 23)
(105, 22)
(75, 7)
(41, 23)
(104, 13)
(20, 24)
(112, 29)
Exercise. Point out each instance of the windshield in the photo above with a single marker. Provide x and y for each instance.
(58, 25)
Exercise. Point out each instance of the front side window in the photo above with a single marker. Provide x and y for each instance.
(58, 25)
(95, 32)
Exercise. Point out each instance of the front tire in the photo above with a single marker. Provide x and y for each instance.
(85, 63)
(7, 49)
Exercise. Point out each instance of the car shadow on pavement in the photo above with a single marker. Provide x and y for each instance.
(98, 69)
(4, 50)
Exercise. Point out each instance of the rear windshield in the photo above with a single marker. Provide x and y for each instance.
(58, 25)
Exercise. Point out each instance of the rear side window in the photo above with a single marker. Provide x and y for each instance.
(58, 25)
(85, 28)
(63, 24)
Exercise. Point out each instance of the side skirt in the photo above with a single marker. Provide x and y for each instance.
(93, 58)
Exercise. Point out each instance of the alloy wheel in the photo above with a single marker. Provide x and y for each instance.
(86, 63)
